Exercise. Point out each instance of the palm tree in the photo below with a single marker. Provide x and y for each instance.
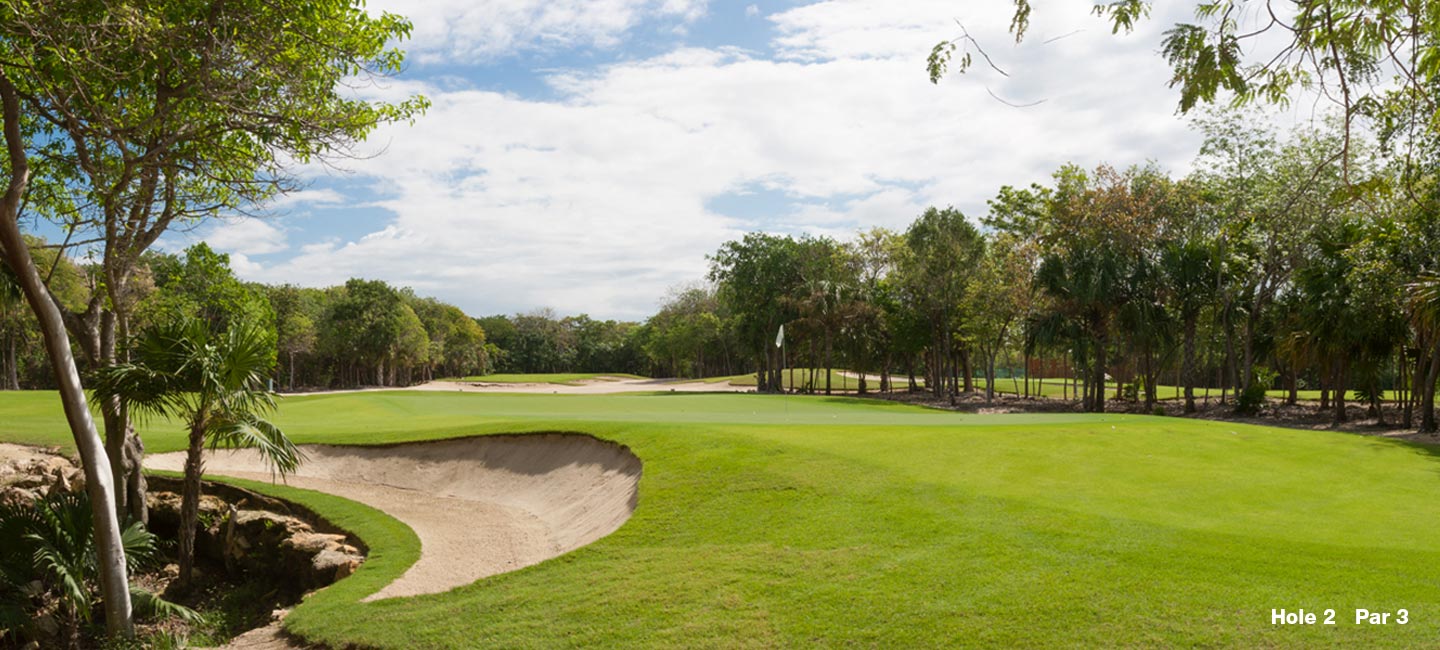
(215, 385)
(1089, 287)
(52, 541)
(1188, 272)
(1424, 308)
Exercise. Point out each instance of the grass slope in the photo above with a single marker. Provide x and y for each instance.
(771, 521)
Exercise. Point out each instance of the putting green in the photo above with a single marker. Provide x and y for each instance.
(779, 521)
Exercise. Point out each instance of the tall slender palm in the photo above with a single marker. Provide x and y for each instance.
(1088, 286)
(215, 385)
(1424, 308)
(1189, 270)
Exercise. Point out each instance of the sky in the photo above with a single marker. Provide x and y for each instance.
(586, 155)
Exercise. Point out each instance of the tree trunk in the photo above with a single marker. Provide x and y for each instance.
(1427, 392)
(1099, 375)
(114, 581)
(967, 374)
(12, 370)
(1248, 366)
(828, 352)
(1341, 369)
(1409, 377)
(1189, 365)
(190, 503)
(1027, 373)
(990, 378)
(1148, 372)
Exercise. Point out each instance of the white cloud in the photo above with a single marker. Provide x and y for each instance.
(304, 198)
(466, 30)
(246, 236)
(596, 202)
(752, 11)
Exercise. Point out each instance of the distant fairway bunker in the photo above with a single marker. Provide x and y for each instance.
(481, 506)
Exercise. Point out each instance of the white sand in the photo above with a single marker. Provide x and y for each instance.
(480, 506)
(592, 386)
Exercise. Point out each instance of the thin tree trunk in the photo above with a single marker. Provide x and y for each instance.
(114, 581)
(1248, 367)
(1341, 369)
(1189, 366)
(1100, 345)
(12, 370)
(827, 361)
(1408, 376)
(967, 373)
(1427, 393)
(190, 503)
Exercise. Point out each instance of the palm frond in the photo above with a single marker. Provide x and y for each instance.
(149, 605)
(249, 431)
(142, 547)
(1424, 299)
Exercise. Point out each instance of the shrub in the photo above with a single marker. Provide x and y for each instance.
(1252, 398)
(48, 555)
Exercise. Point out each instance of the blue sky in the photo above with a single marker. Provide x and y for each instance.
(585, 155)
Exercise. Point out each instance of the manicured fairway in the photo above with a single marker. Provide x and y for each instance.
(768, 521)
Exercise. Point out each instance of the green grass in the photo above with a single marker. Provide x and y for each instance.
(569, 378)
(770, 521)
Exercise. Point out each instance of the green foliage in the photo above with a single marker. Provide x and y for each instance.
(1252, 397)
(213, 383)
(202, 285)
(51, 542)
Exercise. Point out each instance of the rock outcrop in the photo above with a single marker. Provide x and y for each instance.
(260, 542)
(31, 473)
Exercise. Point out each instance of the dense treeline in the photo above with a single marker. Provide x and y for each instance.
(364, 332)
(688, 337)
(540, 341)
(1303, 262)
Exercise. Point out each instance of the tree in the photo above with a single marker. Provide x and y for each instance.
(943, 248)
(99, 478)
(11, 324)
(215, 384)
(1188, 269)
(1423, 302)
(1371, 57)
(295, 330)
(363, 322)
(150, 113)
(754, 277)
(999, 298)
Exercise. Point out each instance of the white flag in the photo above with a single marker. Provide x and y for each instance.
(780, 336)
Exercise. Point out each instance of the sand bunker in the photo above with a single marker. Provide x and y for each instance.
(591, 387)
(480, 506)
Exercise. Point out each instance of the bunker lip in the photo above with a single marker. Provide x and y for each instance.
(481, 506)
